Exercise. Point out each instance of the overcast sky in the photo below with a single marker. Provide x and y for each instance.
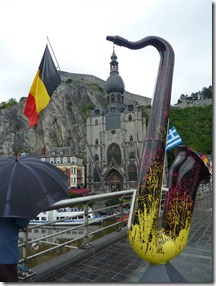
(77, 30)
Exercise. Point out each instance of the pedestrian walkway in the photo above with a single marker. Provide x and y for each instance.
(118, 263)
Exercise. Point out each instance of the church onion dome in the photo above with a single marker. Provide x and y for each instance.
(114, 82)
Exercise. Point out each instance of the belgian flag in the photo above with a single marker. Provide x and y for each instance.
(45, 82)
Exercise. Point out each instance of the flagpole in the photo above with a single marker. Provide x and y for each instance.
(81, 125)
(58, 66)
(165, 179)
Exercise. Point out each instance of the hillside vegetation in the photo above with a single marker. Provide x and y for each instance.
(194, 125)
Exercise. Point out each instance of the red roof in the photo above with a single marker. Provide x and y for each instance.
(79, 191)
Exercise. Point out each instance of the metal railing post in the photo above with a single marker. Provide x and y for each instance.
(86, 243)
(25, 247)
(121, 213)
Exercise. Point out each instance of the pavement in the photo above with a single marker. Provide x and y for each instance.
(112, 260)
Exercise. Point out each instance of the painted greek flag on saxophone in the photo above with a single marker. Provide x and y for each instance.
(173, 139)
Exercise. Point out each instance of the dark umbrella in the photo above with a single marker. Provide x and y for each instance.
(28, 186)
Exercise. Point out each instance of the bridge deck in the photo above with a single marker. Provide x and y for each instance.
(116, 262)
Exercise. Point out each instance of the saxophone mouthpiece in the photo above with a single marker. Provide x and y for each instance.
(117, 40)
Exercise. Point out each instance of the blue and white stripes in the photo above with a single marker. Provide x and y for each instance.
(173, 139)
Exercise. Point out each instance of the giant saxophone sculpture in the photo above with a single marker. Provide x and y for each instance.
(159, 246)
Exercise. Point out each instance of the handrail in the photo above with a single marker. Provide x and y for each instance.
(86, 237)
(70, 202)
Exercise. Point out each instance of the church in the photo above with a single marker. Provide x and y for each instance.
(115, 138)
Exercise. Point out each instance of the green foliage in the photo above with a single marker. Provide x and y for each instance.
(87, 108)
(194, 125)
(68, 81)
(8, 103)
(205, 93)
(97, 86)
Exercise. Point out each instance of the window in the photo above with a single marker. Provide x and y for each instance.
(130, 107)
(96, 141)
(58, 160)
(52, 160)
(131, 138)
(132, 172)
(96, 122)
(112, 97)
(114, 152)
(64, 160)
(96, 157)
(113, 109)
(43, 159)
(130, 118)
(96, 176)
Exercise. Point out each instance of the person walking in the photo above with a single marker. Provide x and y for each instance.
(9, 250)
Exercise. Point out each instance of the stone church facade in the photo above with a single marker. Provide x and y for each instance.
(115, 139)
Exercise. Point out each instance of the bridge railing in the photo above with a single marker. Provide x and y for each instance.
(48, 232)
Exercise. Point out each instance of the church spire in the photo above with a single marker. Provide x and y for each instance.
(114, 63)
(114, 83)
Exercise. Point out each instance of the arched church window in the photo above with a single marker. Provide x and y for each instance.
(119, 97)
(131, 138)
(130, 117)
(96, 157)
(96, 141)
(96, 122)
(112, 97)
(132, 172)
(114, 152)
(96, 175)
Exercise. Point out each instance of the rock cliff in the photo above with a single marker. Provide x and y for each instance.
(60, 123)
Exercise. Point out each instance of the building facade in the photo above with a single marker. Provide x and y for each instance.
(115, 137)
(73, 167)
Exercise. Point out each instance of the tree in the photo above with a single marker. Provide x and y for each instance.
(207, 92)
(10, 102)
